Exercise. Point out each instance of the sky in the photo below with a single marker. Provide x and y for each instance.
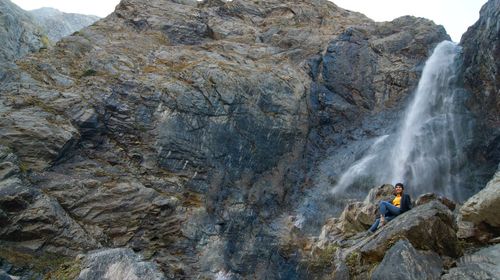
(100, 8)
(455, 15)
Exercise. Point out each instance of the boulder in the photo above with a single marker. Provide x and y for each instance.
(384, 192)
(481, 210)
(427, 197)
(403, 262)
(329, 230)
(427, 227)
(117, 264)
(482, 265)
(356, 217)
(467, 230)
(359, 216)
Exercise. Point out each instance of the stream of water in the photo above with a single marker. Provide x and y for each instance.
(426, 153)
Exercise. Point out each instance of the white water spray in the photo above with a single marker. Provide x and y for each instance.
(428, 147)
(427, 151)
(358, 169)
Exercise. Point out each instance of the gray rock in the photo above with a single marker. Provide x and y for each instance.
(346, 76)
(483, 207)
(19, 33)
(481, 62)
(130, 214)
(180, 129)
(341, 271)
(386, 54)
(427, 197)
(35, 220)
(375, 195)
(57, 24)
(9, 164)
(402, 261)
(5, 276)
(117, 264)
(481, 265)
(481, 65)
(32, 220)
(427, 227)
(39, 136)
(348, 114)
(359, 216)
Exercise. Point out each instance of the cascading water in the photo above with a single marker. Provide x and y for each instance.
(427, 151)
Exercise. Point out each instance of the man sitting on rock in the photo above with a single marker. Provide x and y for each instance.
(389, 210)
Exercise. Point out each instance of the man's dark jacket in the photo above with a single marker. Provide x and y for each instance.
(405, 203)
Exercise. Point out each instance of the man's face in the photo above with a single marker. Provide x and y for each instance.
(398, 190)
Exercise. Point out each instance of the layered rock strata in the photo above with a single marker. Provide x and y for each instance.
(184, 130)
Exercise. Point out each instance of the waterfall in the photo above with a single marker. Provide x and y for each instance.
(427, 150)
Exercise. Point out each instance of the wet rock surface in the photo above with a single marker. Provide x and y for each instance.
(481, 47)
(481, 68)
(367, 69)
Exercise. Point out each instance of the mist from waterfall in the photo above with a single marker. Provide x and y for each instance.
(427, 150)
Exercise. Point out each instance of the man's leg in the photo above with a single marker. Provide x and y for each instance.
(387, 208)
(374, 227)
(389, 217)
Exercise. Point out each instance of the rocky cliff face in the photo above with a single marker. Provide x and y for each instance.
(481, 54)
(187, 130)
(481, 67)
(57, 24)
(19, 33)
(481, 45)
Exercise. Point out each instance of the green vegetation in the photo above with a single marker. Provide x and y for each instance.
(324, 258)
(352, 261)
(51, 265)
(23, 167)
(37, 102)
(45, 42)
(66, 271)
(88, 73)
